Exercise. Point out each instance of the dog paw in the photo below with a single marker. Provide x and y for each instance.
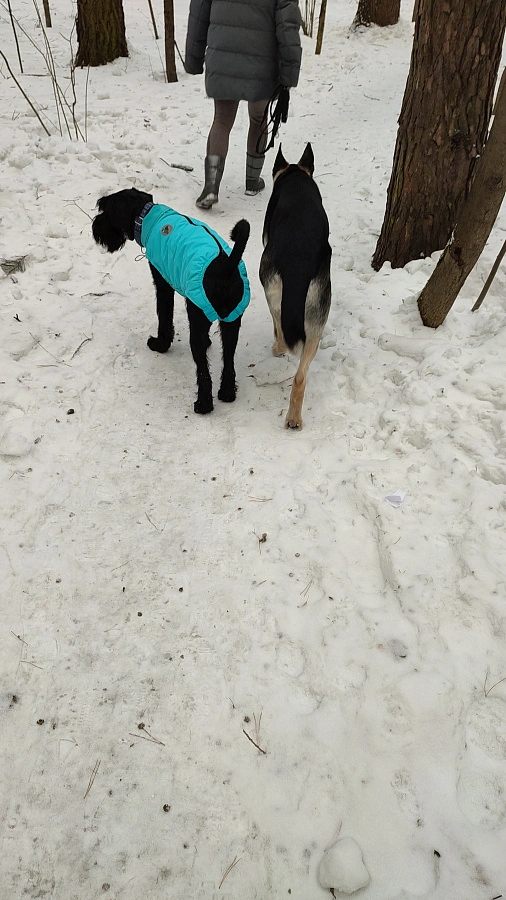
(227, 393)
(158, 344)
(203, 406)
(294, 423)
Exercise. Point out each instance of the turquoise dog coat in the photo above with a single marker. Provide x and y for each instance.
(181, 248)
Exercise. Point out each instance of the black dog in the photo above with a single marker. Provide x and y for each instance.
(182, 255)
(295, 268)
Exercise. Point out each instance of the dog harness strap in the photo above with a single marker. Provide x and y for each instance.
(138, 222)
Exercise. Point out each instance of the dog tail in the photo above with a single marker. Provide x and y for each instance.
(293, 307)
(239, 235)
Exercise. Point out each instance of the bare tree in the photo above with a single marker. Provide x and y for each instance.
(377, 12)
(101, 36)
(170, 41)
(308, 13)
(442, 125)
(321, 26)
(476, 219)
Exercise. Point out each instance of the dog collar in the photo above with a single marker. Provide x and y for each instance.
(138, 222)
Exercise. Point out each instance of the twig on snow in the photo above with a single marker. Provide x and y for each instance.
(80, 345)
(177, 165)
(151, 738)
(92, 778)
(19, 638)
(493, 686)
(253, 742)
(227, 871)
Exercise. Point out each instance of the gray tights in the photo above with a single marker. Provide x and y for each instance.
(225, 112)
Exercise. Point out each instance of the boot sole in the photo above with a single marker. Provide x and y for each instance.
(207, 202)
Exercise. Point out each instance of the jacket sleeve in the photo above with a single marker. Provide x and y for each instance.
(196, 36)
(288, 22)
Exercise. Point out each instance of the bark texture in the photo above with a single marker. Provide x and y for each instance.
(476, 219)
(442, 125)
(377, 12)
(101, 33)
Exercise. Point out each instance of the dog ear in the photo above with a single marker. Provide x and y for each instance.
(280, 163)
(306, 161)
(106, 234)
(102, 203)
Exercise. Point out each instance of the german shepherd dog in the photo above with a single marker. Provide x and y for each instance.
(177, 245)
(295, 268)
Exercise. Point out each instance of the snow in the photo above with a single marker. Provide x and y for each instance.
(218, 580)
(342, 867)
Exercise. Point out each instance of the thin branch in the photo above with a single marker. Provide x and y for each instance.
(37, 341)
(81, 209)
(86, 106)
(25, 95)
(305, 592)
(151, 520)
(153, 20)
(151, 739)
(48, 57)
(15, 36)
(14, 633)
(179, 52)
(253, 742)
(227, 871)
(490, 278)
(92, 778)
(80, 345)
(143, 728)
(493, 686)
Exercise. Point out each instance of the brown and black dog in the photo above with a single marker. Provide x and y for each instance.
(295, 268)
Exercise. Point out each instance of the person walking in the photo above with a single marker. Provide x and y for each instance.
(250, 48)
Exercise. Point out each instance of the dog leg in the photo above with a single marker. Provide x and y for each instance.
(229, 337)
(273, 292)
(199, 342)
(165, 310)
(279, 346)
(294, 414)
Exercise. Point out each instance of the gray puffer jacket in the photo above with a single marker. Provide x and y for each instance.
(249, 46)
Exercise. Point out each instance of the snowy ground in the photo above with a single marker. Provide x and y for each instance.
(358, 644)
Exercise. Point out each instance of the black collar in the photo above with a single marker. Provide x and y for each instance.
(138, 222)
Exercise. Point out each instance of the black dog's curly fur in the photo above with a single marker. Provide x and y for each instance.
(114, 225)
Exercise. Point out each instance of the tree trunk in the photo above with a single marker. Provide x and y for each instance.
(476, 219)
(321, 27)
(442, 125)
(47, 13)
(170, 41)
(100, 30)
(377, 12)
